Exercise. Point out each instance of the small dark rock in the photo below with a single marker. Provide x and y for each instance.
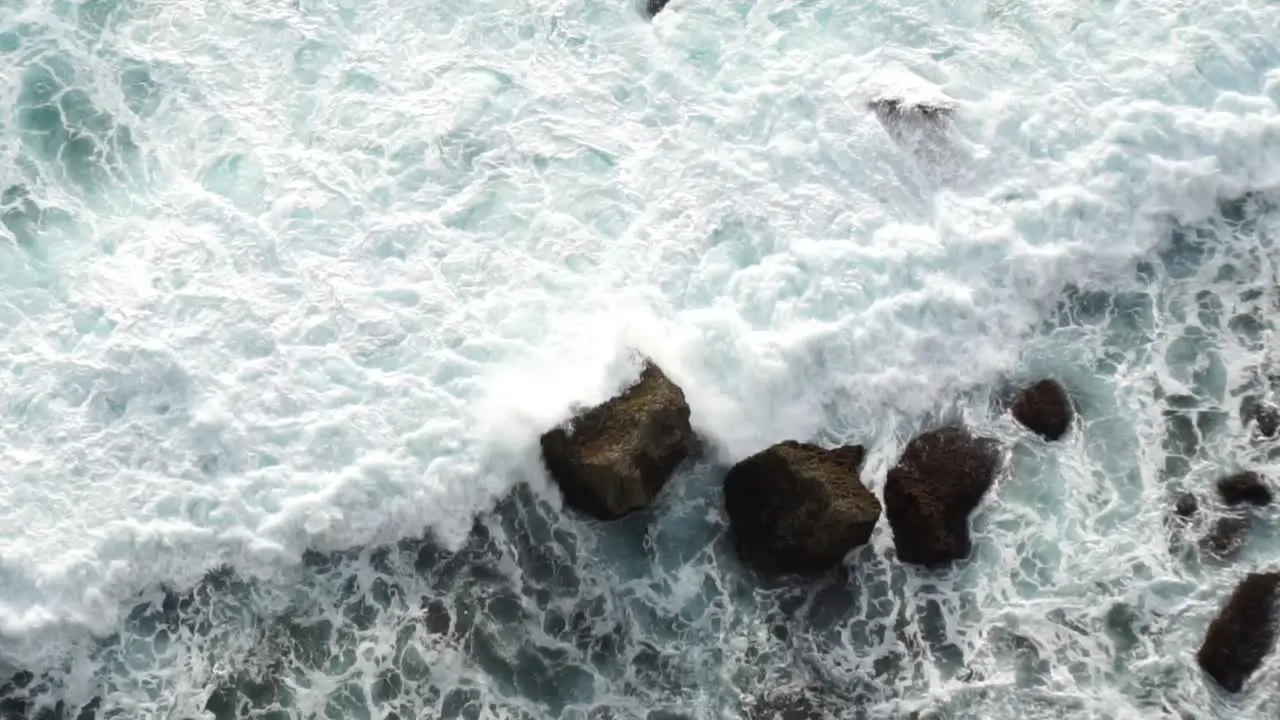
(1226, 536)
(1264, 416)
(940, 478)
(437, 617)
(1243, 634)
(797, 508)
(615, 458)
(1187, 506)
(1244, 487)
(1044, 408)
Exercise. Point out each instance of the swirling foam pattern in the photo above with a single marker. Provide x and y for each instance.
(283, 279)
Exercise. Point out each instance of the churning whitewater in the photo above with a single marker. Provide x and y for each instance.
(291, 289)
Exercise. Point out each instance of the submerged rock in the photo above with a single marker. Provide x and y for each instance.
(1243, 634)
(1265, 417)
(805, 703)
(1244, 487)
(615, 458)
(1186, 506)
(1225, 536)
(895, 113)
(796, 508)
(1044, 408)
(921, 127)
(940, 478)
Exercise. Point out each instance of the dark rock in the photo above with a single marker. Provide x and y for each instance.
(796, 508)
(1226, 536)
(90, 709)
(1264, 416)
(922, 128)
(1044, 408)
(653, 7)
(436, 616)
(940, 478)
(615, 458)
(1244, 487)
(1187, 506)
(895, 112)
(223, 703)
(1243, 634)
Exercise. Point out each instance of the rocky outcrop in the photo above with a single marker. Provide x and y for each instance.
(1242, 635)
(615, 458)
(796, 508)
(1244, 487)
(1044, 408)
(940, 478)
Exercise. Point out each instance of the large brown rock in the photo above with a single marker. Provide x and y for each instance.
(940, 478)
(615, 458)
(1044, 409)
(1242, 635)
(796, 508)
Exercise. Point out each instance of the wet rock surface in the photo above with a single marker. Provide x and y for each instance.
(1225, 537)
(615, 458)
(1044, 408)
(796, 508)
(940, 478)
(1243, 633)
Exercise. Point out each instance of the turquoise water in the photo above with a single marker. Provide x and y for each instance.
(291, 289)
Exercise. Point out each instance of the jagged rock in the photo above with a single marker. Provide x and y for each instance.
(1244, 487)
(796, 508)
(895, 112)
(1225, 537)
(940, 478)
(1244, 632)
(1044, 408)
(615, 458)
(921, 127)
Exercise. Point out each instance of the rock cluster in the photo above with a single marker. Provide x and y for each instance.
(794, 508)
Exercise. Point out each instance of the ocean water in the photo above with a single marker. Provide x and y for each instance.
(288, 291)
